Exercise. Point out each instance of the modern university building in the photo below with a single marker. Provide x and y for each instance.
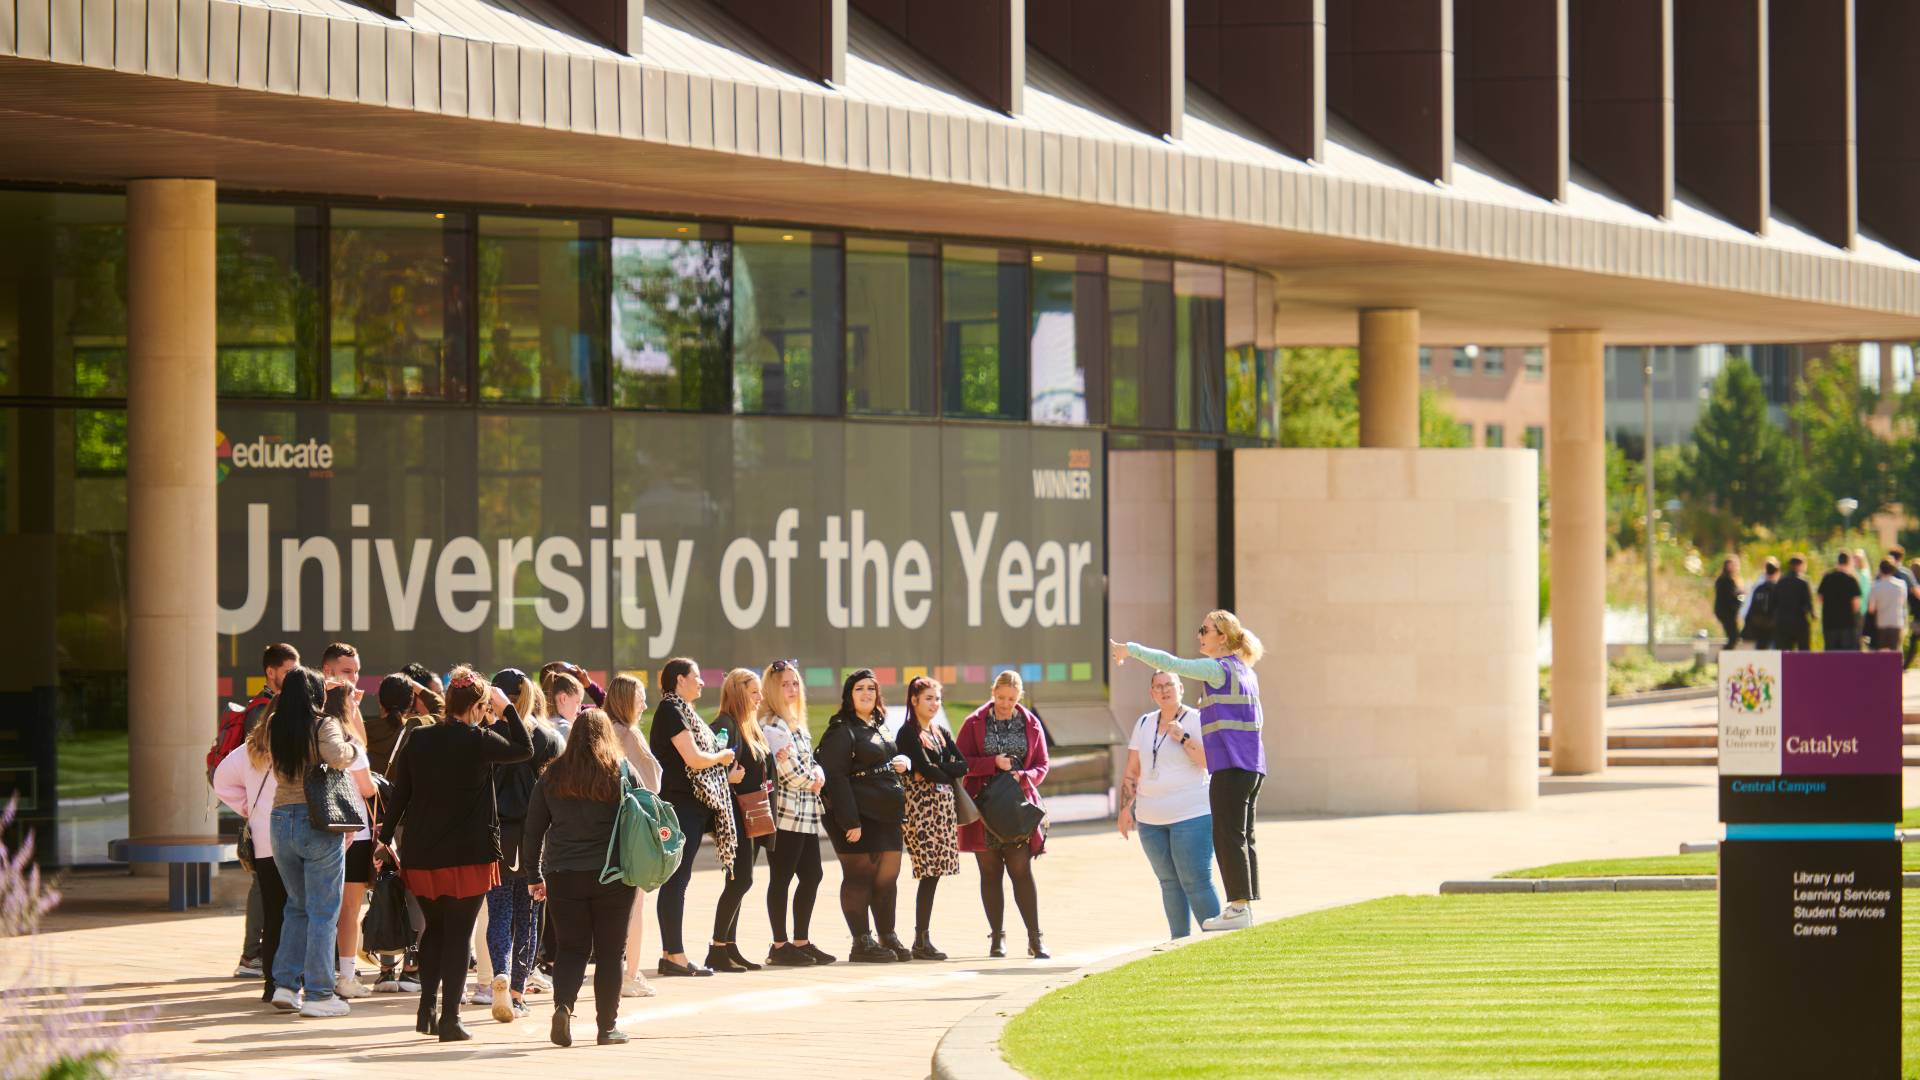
(893, 333)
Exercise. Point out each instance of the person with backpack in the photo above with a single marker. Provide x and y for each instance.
(232, 729)
(1756, 621)
(244, 782)
(626, 705)
(571, 818)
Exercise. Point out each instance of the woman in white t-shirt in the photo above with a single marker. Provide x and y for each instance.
(1164, 792)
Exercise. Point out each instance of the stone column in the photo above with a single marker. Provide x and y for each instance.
(1390, 378)
(171, 527)
(1576, 487)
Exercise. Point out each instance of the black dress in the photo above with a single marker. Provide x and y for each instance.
(862, 789)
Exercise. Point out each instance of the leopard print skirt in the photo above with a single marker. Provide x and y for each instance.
(931, 833)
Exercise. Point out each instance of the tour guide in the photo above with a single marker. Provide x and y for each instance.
(1230, 722)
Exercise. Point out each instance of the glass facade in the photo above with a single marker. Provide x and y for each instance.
(399, 304)
(984, 308)
(672, 315)
(787, 328)
(541, 296)
(63, 294)
(893, 336)
(509, 396)
(1140, 342)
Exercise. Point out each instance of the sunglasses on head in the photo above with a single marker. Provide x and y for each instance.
(784, 665)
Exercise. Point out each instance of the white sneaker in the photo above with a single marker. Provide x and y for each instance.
(1232, 917)
(409, 985)
(637, 987)
(285, 1000)
(501, 999)
(387, 986)
(350, 988)
(537, 981)
(247, 969)
(326, 1006)
(477, 995)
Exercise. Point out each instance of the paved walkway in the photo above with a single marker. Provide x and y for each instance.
(1098, 899)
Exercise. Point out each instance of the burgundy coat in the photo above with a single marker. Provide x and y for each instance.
(981, 767)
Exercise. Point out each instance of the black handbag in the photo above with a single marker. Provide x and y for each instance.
(386, 927)
(1005, 811)
(331, 805)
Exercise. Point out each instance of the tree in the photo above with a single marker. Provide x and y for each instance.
(1320, 403)
(1845, 458)
(1742, 463)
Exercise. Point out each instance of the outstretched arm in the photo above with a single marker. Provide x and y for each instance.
(1201, 668)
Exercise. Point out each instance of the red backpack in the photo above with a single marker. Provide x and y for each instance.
(231, 729)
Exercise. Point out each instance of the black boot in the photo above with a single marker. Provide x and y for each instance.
(997, 943)
(923, 947)
(1034, 947)
(427, 1020)
(718, 960)
(611, 1037)
(891, 941)
(450, 1028)
(733, 951)
(562, 1031)
(868, 951)
(787, 954)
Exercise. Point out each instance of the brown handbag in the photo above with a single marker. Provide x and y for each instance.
(756, 816)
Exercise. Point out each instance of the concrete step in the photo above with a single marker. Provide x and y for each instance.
(1652, 741)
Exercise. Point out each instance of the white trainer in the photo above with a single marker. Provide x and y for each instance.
(637, 987)
(285, 1000)
(351, 988)
(1232, 917)
(326, 1006)
(502, 1000)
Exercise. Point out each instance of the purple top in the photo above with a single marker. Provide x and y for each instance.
(1230, 720)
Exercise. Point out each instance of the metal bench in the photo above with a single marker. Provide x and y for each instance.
(189, 859)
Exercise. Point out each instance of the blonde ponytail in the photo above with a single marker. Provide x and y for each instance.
(1240, 640)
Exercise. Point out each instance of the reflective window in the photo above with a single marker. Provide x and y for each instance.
(1068, 338)
(1199, 373)
(1496, 435)
(1426, 359)
(672, 315)
(1493, 362)
(63, 294)
(1536, 363)
(540, 296)
(1140, 341)
(1535, 438)
(787, 328)
(1463, 358)
(1253, 377)
(892, 325)
(984, 297)
(399, 291)
(267, 290)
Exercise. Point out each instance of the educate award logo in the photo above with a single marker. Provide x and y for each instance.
(1750, 690)
(222, 456)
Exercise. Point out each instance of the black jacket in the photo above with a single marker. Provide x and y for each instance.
(944, 767)
(574, 833)
(513, 784)
(1792, 602)
(443, 792)
(1726, 598)
(853, 755)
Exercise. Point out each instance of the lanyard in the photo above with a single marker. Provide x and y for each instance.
(1160, 739)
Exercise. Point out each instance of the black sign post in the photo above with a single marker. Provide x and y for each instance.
(1810, 977)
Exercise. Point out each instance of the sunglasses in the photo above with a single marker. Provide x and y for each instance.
(784, 665)
(1204, 630)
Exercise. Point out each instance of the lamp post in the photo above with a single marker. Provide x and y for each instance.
(1846, 507)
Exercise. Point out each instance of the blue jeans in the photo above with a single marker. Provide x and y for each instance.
(1182, 858)
(511, 928)
(313, 866)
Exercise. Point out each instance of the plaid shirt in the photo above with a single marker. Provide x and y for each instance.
(796, 806)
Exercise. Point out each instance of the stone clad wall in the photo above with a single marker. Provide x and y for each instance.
(1397, 594)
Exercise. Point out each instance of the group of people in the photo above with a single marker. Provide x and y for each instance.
(504, 792)
(1860, 604)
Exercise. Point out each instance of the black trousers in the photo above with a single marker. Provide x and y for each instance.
(795, 857)
(273, 909)
(1793, 637)
(726, 914)
(1232, 794)
(589, 920)
(1731, 625)
(1842, 637)
(671, 906)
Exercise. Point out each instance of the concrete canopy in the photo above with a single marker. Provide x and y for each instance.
(339, 99)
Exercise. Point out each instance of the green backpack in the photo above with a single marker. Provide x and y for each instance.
(647, 843)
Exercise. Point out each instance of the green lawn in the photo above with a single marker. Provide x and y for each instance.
(92, 763)
(1534, 985)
